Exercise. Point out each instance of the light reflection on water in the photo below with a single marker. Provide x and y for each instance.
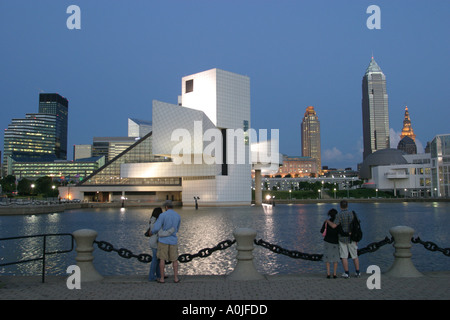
(294, 227)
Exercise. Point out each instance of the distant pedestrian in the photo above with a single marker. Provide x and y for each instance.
(154, 273)
(168, 246)
(346, 245)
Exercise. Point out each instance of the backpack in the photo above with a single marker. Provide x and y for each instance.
(355, 229)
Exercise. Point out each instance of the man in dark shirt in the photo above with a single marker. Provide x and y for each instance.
(346, 245)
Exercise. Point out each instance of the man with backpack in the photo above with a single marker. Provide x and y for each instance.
(346, 244)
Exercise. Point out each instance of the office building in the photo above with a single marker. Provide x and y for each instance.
(58, 170)
(41, 136)
(297, 167)
(310, 128)
(82, 151)
(53, 103)
(110, 147)
(375, 113)
(440, 165)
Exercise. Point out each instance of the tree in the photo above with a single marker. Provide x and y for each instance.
(8, 184)
(44, 187)
(24, 187)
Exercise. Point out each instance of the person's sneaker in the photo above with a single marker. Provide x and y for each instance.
(345, 275)
(358, 274)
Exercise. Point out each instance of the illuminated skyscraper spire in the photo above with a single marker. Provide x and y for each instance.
(375, 113)
(407, 130)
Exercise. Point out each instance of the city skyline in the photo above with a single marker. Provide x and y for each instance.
(295, 54)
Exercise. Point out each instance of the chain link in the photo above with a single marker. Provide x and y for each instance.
(431, 246)
(206, 252)
(374, 246)
(124, 253)
(290, 253)
(146, 258)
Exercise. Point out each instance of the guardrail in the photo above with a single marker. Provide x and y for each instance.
(44, 251)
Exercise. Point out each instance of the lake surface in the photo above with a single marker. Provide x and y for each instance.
(293, 227)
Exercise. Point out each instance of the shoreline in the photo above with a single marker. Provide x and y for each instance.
(53, 208)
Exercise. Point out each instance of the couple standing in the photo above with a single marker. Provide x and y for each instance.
(337, 241)
(164, 241)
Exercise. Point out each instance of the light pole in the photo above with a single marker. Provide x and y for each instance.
(335, 193)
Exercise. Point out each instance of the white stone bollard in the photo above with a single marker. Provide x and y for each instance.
(85, 240)
(402, 266)
(245, 268)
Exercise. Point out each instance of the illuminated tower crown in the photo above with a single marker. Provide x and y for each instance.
(407, 130)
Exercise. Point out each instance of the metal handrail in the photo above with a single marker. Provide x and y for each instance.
(44, 249)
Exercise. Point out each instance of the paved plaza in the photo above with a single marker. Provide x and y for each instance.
(431, 286)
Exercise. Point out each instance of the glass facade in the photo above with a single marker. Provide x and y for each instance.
(58, 170)
(40, 135)
(53, 103)
(139, 152)
(34, 135)
(440, 166)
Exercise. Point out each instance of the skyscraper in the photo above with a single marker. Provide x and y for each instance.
(40, 135)
(407, 143)
(407, 130)
(375, 113)
(311, 135)
(53, 103)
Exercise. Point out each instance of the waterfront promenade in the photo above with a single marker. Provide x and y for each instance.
(431, 286)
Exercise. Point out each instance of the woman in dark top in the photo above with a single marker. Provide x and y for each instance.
(331, 246)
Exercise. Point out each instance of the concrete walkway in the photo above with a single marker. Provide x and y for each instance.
(432, 286)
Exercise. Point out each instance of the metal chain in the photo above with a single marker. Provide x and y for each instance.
(206, 252)
(374, 246)
(146, 258)
(124, 253)
(290, 253)
(431, 246)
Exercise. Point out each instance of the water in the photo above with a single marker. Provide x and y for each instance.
(294, 227)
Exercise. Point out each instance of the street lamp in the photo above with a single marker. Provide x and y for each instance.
(335, 193)
(376, 193)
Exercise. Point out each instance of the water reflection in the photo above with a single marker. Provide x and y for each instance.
(294, 227)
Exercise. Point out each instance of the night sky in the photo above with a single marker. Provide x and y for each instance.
(296, 53)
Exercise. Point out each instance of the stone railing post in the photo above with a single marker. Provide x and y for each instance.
(245, 268)
(402, 266)
(84, 239)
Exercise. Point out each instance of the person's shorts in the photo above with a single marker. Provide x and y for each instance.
(346, 248)
(167, 252)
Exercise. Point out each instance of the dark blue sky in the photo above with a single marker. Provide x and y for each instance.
(296, 53)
